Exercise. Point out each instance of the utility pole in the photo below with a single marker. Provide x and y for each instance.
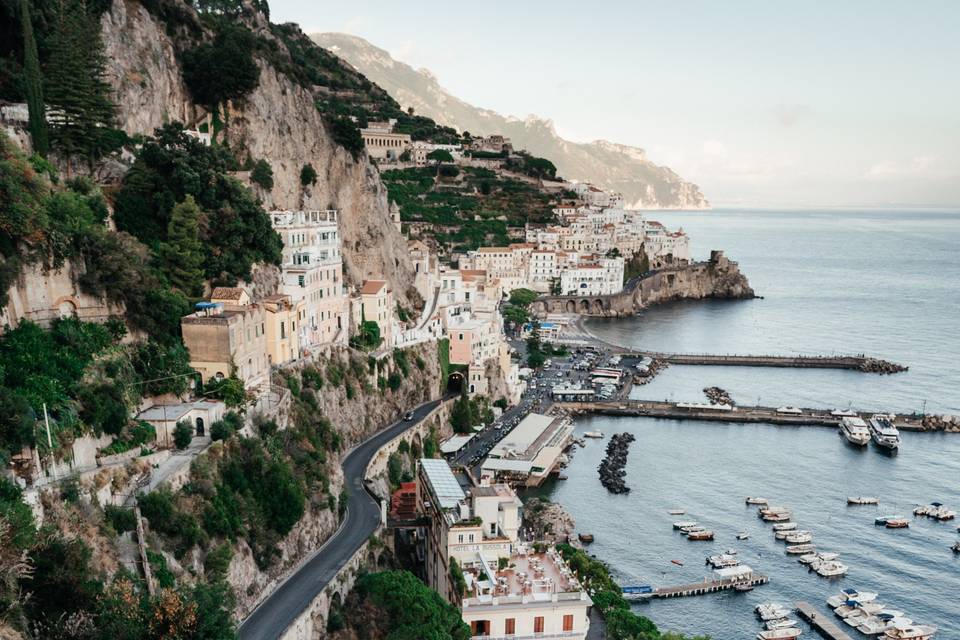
(53, 462)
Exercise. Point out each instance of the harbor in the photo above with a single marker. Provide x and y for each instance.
(710, 586)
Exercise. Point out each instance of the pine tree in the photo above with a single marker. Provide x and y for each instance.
(182, 253)
(34, 83)
(81, 111)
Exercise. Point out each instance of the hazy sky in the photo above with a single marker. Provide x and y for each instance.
(761, 103)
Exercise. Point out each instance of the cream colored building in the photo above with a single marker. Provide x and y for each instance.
(283, 339)
(376, 305)
(228, 336)
(312, 275)
(381, 142)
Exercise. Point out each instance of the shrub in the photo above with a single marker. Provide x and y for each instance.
(217, 562)
(394, 381)
(182, 434)
(308, 175)
(262, 174)
(120, 518)
(345, 132)
(220, 430)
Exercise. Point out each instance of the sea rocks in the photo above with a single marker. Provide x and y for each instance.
(942, 423)
(612, 470)
(875, 365)
(547, 521)
(716, 395)
(645, 376)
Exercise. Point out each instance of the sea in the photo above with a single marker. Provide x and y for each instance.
(881, 282)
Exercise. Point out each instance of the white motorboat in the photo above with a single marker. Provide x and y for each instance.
(757, 501)
(777, 516)
(593, 434)
(743, 535)
(785, 526)
(677, 512)
(684, 523)
(774, 614)
(799, 537)
(781, 535)
(884, 434)
(782, 623)
(830, 568)
(904, 631)
(722, 560)
(862, 500)
(800, 549)
(694, 529)
(856, 618)
(810, 558)
(875, 625)
(850, 596)
(855, 430)
(779, 634)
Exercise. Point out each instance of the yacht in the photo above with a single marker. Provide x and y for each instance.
(875, 625)
(593, 434)
(904, 631)
(779, 634)
(850, 596)
(855, 430)
(884, 433)
(800, 549)
(859, 608)
(799, 537)
(785, 526)
(830, 568)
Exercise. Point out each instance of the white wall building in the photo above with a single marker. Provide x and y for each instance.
(312, 272)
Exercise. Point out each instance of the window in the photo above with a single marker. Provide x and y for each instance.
(538, 624)
(510, 627)
(568, 622)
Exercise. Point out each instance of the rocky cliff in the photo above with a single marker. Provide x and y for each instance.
(277, 122)
(609, 165)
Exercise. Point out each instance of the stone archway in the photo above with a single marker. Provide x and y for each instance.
(66, 307)
(598, 306)
(571, 306)
(455, 382)
(584, 306)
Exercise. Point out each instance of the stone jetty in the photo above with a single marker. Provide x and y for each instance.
(716, 395)
(612, 470)
(875, 365)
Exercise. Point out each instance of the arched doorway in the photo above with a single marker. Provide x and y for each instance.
(200, 430)
(571, 306)
(584, 306)
(455, 382)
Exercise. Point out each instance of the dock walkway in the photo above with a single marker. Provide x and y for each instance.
(820, 622)
(707, 586)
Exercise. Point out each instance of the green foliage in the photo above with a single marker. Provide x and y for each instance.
(229, 389)
(523, 297)
(15, 512)
(468, 412)
(162, 368)
(235, 230)
(122, 519)
(500, 403)
(534, 167)
(440, 155)
(81, 113)
(343, 500)
(162, 574)
(456, 576)
(368, 336)
(394, 380)
(394, 469)
(217, 562)
(33, 84)
(308, 175)
(410, 609)
(401, 360)
(182, 253)
(262, 174)
(103, 407)
(223, 69)
(62, 583)
(17, 420)
(346, 133)
(183, 434)
(636, 266)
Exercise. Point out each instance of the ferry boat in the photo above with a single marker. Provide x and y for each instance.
(855, 430)
(863, 500)
(800, 549)
(779, 634)
(910, 631)
(884, 434)
(757, 501)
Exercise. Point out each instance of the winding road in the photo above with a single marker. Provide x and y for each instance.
(278, 611)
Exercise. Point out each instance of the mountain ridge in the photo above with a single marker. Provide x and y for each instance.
(609, 165)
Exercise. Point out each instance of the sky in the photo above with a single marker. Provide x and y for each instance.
(808, 103)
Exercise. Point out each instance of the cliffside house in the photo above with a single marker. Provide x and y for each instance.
(200, 414)
(374, 303)
(228, 335)
(283, 339)
(381, 142)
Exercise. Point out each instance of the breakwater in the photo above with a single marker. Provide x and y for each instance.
(862, 363)
(798, 417)
(612, 468)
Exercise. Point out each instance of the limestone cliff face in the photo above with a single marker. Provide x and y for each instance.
(277, 122)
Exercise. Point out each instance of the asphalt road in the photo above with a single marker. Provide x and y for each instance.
(288, 600)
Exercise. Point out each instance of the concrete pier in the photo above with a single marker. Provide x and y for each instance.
(683, 411)
(855, 363)
(821, 622)
(707, 586)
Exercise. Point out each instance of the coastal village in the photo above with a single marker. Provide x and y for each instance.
(283, 359)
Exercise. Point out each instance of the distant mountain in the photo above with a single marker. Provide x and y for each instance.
(609, 165)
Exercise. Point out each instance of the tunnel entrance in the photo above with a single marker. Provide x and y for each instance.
(455, 382)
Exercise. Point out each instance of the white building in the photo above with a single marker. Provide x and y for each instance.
(312, 272)
(602, 277)
(665, 247)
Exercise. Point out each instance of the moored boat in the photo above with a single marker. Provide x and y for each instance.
(884, 434)
(800, 549)
(757, 501)
(684, 523)
(799, 537)
(863, 500)
(743, 535)
(677, 512)
(722, 560)
(855, 430)
(904, 631)
(782, 623)
(700, 535)
(897, 523)
(779, 634)
(585, 538)
(785, 526)
(593, 434)
(810, 558)
(830, 568)
(956, 547)
(850, 596)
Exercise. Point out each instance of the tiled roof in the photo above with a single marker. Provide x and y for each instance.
(372, 287)
(227, 293)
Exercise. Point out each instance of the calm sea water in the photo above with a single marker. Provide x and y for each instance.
(881, 282)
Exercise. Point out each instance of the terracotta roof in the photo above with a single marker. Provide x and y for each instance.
(372, 287)
(523, 245)
(227, 293)
(493, 250)
(472, 274)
